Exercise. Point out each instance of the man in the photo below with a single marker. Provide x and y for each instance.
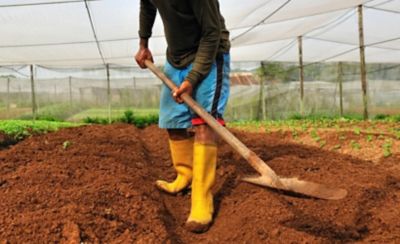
(198, 63)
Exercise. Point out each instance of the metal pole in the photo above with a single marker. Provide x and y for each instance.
(261, 108)
(34, 106)
(301, 74)
(133, 96)
(362, 61)
(70, 90)
(340, 79)
(19, 95)
(108, 93)
(8, 94)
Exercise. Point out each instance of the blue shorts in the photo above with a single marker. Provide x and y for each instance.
(211, 93)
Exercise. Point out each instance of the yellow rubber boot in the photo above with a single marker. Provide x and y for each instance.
(204, 167)
(182, 157)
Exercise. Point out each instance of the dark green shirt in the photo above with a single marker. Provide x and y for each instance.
(195, 32)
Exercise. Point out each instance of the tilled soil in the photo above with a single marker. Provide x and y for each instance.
(95, 184)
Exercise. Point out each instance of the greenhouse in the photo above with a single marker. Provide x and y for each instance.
(314, 95)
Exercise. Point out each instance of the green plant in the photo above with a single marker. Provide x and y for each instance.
(314, 135)
(337, 146)
(355, 145)
(296, 117)
(395, 118)
(381, 116)
(322, 143)
(20, 129)
(295, 134)
(89, 120)
(66, 144)
(357, 131)
(369, 138)
(128, 117)
(387, 148)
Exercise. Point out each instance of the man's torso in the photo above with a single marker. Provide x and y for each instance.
(183, 32)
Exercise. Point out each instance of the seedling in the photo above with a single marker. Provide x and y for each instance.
(314, 135)
(322, 143)
(342, 137)
(357, 131)
(66, 144)
(369, 138)
(387, 148)
(295, 134)
(355, 145)
(397, 133)
(337, 147)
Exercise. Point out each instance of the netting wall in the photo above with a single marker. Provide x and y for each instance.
(70, 43)
(322, 96)
(75, 98)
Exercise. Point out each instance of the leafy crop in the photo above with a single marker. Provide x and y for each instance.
(20, 129)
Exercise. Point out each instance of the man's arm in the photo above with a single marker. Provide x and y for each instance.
(208, 15)
(147, 17)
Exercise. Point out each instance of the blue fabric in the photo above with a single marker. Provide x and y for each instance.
(179, 116)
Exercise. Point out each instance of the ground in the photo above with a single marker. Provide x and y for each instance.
(95, 184)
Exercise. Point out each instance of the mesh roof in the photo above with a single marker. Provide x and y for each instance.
(59, 34)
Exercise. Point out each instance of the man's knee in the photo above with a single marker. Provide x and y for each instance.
(205, 135)
(178, 134)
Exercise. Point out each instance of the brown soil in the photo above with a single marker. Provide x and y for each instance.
(100, 189)
(6, 140)
(367, 146)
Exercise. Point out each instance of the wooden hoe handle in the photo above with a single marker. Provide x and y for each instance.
(257, 163)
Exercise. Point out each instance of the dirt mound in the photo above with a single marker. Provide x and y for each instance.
(94, 184)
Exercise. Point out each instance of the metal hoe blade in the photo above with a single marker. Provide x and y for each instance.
(302, 187)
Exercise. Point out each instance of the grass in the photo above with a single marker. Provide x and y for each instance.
(115, 113)
(55, 112)
(20, 129)
(310, 122)
(128, 117)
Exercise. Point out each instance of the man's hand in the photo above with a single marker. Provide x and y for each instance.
(186, 87)
(143, 54)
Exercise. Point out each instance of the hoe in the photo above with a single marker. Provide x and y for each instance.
(267, 177)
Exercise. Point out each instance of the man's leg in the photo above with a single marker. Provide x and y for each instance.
(212, 94)
(176, 118)
(204, 167)
(181, 147)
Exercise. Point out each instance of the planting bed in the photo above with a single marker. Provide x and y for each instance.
(95, 184)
